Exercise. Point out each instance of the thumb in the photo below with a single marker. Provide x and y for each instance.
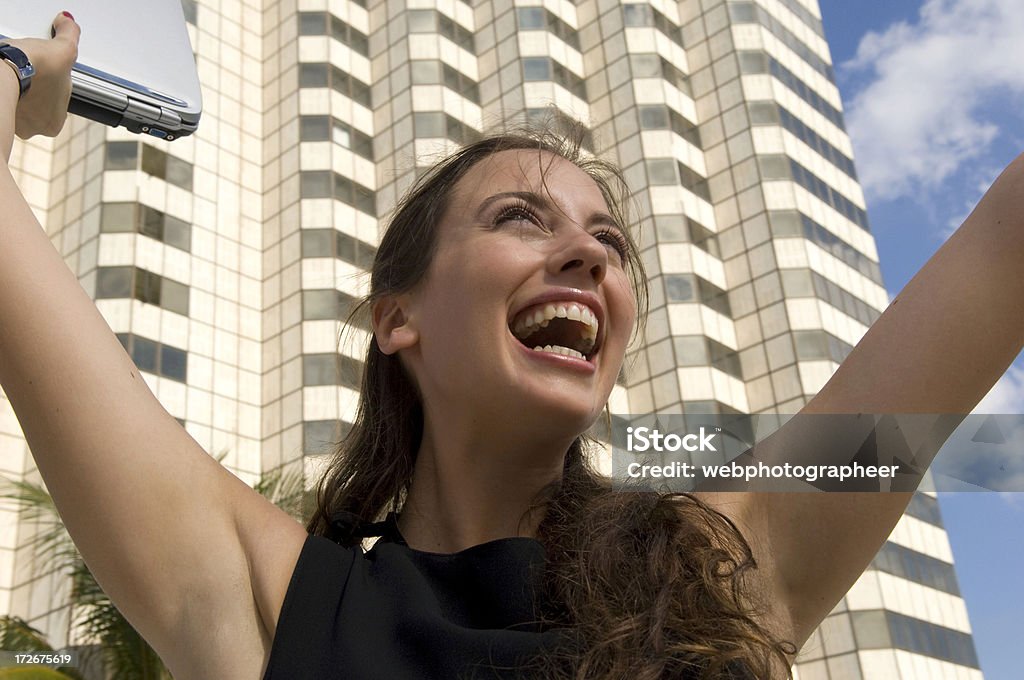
(66, 29)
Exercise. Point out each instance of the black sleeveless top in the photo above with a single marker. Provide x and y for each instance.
(398, 613)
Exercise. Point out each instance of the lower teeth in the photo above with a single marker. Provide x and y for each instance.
(558, 349)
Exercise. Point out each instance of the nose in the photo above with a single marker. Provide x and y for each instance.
(578, 253)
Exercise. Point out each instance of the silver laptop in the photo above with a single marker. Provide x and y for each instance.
(135, 64)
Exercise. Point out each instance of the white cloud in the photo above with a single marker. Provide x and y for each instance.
(919, 117)
(981, 178)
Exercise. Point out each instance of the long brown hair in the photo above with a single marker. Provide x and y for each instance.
(651, 585)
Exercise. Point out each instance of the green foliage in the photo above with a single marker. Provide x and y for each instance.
(16, 635)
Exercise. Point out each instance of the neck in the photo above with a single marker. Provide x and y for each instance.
(468, 490)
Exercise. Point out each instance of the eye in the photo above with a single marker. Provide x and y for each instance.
(616, 240)
(517, 212)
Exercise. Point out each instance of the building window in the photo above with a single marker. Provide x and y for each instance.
(791, 223)
(693, 288)
(328, 75)
(441, 125)
(191, 11)
(762, 62)
(159, 163)
(327, 184)
(325, 23)
(331, 305)
(142, 219)
(121, 156)
(432, 21)
(425, 72)
(778, 166)
(142, 285)
(334, 243)
(327, 128)
(434, 72)
(653, 65)
(802, 13)
(700, 350)
(545, 68)
(320, 436)
(752, 13)
(331, 369)
(770, 113)
(430, 124)
(114, 282)
(817, 186)
(917, 567)
(925, 508)
(694, 182)
(661, 117)
(816, 345)
(809, 283)
(879, 629)
(635, 14)
(538, 18)
(702, 237)
(154, 357)
(661, 171)
(460, 83)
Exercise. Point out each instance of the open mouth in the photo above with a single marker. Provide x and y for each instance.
(565, 328)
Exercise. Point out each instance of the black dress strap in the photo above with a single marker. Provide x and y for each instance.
(347, 525)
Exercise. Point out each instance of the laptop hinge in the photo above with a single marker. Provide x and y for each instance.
(143, 113)
(170, 118)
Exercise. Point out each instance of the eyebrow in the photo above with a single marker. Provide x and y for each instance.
(543, 203)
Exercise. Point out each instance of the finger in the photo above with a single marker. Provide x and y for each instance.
(66, 29)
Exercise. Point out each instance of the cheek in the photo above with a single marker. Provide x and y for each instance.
(455, 313)
(623, 306)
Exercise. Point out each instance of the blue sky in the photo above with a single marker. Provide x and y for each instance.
(934, 98)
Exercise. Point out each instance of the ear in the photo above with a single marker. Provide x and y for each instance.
(392, 325)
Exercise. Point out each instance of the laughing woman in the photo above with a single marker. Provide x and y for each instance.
(503, 297)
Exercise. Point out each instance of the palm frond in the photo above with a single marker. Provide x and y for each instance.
(51, 546)
(285, 489)
(16, 635)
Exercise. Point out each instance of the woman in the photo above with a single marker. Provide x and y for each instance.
(506, 557)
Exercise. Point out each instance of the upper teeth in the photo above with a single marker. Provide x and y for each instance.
(540, 317)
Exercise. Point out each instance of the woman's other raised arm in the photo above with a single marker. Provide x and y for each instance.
(939, 347)
(193, 557)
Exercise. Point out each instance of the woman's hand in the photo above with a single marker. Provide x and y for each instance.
(44, 108)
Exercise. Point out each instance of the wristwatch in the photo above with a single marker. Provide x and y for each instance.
(21, 65)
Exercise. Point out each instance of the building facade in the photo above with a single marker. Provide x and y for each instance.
(224, 262)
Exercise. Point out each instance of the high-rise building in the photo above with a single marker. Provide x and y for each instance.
(225, 261)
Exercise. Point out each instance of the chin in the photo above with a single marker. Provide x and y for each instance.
(559, 416)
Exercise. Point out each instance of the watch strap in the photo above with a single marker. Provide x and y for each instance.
(19, 61)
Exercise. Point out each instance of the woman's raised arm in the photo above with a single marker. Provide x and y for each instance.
(938, 349)
(193, 557)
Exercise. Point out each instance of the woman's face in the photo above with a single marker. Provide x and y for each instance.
(524, 315)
